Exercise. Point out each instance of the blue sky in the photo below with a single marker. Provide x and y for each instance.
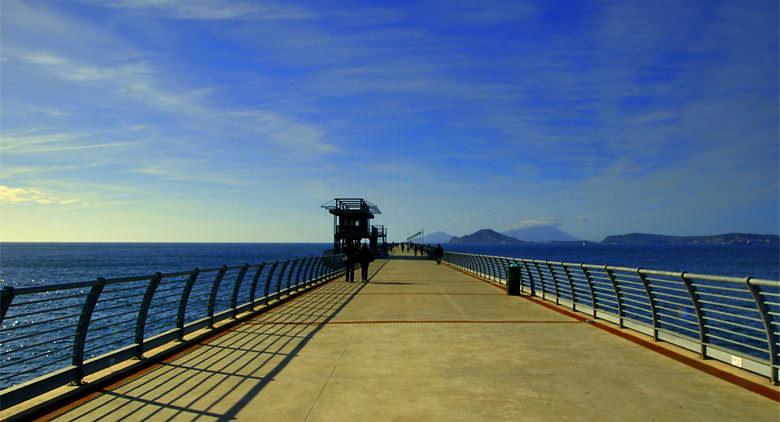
(164, 120)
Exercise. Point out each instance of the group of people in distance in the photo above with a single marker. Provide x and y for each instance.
(436, 253)
(361, 255)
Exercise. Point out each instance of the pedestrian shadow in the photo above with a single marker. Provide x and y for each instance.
(202, 383)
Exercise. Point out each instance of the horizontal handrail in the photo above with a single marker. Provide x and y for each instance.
(731, 319)
(190, 300)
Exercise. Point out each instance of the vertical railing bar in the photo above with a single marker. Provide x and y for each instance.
(310, 271)
(268, 281)
(494, 268)
(697, 309)
(530, 277)
(143, 312)
(771, 338)
(618, 296)
(236, 288)
(290, 273)
(253, 287)
(213, 295)
(555, 283)
(82, 328)
(185, 297)
(278, 292)
(650, 301)
(571, 286)
(304, 261)
(541, 278)
(589, 280)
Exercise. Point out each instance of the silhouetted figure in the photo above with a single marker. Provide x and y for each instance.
(350, 256)
(403, 247)
(364, 256)
(438, 253)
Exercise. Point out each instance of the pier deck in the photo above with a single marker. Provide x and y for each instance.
(420, 342)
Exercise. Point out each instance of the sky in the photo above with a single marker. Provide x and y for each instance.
(234, 120)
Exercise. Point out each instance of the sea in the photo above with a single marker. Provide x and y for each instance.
(28, 264)
(24, 354)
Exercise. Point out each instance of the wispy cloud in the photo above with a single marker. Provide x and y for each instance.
(12, 195)
(139, 82)
(212, 9)
(534, 222)
(41, 142)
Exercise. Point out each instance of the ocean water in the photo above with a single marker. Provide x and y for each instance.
(25, 264)
(760, 261)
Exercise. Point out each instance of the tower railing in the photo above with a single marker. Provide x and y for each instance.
(56, 334)
(730, 319)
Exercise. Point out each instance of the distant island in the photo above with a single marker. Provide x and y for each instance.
(717, 239)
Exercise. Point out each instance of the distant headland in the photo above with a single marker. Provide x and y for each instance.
(554, 235)
(716, 239)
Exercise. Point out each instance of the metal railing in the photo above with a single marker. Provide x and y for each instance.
(730, 319)
(57, 334)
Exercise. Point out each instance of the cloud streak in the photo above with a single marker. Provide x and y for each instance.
(211, 9)
(11, 195)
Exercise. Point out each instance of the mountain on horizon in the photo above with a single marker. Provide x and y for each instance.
(438, 237)
(542, 233)
(485, 236)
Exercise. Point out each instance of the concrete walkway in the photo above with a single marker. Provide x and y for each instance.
(421, 342)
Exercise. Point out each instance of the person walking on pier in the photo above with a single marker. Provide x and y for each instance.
(365, 257)
(350, 258)
(438, 253)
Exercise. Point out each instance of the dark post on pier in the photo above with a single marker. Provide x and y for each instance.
(351, 223)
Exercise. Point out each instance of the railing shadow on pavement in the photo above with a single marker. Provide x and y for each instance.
(258, 344)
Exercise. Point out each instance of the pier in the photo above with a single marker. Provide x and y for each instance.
(425, 342)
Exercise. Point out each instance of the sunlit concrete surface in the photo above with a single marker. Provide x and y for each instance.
(421, 342)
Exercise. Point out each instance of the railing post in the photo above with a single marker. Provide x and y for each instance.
(771, 338)
(473, 263)
(143, 312)
(541, 279)
(236, 288)
(278, 292)
(268, 281)
(493, 267)
(589, 280)
(80, 339)
(6, 297)
(213, 295)
(290, 273)
(253, 288)
(530, 277)
(697, 309)
(320, 271)
(555, 283)
(185, 297)
(483, 267)
(304, 261)
(651, 301)
(310, 271)
(571, 286)
(618, 296)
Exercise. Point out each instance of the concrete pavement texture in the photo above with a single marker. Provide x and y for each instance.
(420, 342)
